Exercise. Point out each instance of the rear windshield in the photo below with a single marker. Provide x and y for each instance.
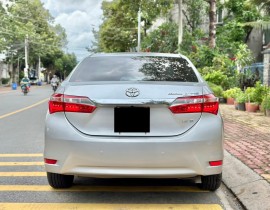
(134, 68)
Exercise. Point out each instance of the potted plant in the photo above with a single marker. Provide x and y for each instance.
(240, 100)
(266, 105)
(230, 94)
(260, 92)
(252, 105)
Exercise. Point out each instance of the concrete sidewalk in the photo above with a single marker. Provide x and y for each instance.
(6, 89)
(247, 160)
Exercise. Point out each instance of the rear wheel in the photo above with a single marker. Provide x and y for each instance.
(211, 182)
(54, 88)
(59, 180)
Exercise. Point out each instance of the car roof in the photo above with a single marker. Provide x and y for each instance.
(137, 54)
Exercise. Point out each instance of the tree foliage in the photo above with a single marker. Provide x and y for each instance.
(163, 39)
(194, 12)
(28, 20)
(241, 12)
(118, 32)
(262, 5)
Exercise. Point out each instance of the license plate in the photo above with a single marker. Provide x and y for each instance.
(132, 119)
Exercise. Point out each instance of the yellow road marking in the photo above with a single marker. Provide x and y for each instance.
(21, 163)
(23, 109)
(83, 188)
(22, 174)
(22, 155)
(107, 206)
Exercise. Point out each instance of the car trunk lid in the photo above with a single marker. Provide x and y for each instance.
(138, 109)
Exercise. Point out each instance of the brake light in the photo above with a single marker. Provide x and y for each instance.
(195, 104)
(67, 103)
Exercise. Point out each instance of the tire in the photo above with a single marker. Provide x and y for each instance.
(211, 182)
(59, 180)
(54, 88)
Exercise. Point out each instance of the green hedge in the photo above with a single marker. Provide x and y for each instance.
(5, 81)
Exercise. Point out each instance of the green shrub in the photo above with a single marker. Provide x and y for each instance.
(247, 80)
(5, 81)
(260, 92)
(232, 82)
(217, 77)
(232, 93)
(266, 103)
(217, 89)
(250, 94)
(241, 97)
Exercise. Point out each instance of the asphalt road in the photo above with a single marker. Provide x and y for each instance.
(23, 183)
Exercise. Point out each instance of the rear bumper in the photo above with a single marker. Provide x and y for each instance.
(183, 156)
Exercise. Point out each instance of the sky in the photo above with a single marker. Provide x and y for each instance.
(78, 17)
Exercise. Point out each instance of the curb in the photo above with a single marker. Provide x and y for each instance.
(250, 188)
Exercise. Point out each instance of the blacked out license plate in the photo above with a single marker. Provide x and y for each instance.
(132, 119)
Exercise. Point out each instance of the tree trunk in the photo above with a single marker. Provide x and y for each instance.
(1, 71)
(212, 24)
(180, 21)
(13, 72)
(9, 70)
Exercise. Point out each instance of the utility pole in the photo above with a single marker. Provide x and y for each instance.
(26, 56)
(139, 30)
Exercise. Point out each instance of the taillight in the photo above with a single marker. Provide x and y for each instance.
(56, 103)
(195, 104)
(67, 103)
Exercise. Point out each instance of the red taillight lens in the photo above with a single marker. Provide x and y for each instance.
(215, 163)
(50, 161)
(210, 104)
(67, 103)
(190, 104)
(78, 104)
(56, 103)
(195, 104)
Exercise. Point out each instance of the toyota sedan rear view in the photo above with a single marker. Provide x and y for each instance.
(134, 115)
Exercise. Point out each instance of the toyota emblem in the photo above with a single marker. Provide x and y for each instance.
(132, 92)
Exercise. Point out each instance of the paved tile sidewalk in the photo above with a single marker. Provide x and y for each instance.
(247, 137)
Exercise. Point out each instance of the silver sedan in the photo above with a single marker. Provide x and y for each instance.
(139, 115)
